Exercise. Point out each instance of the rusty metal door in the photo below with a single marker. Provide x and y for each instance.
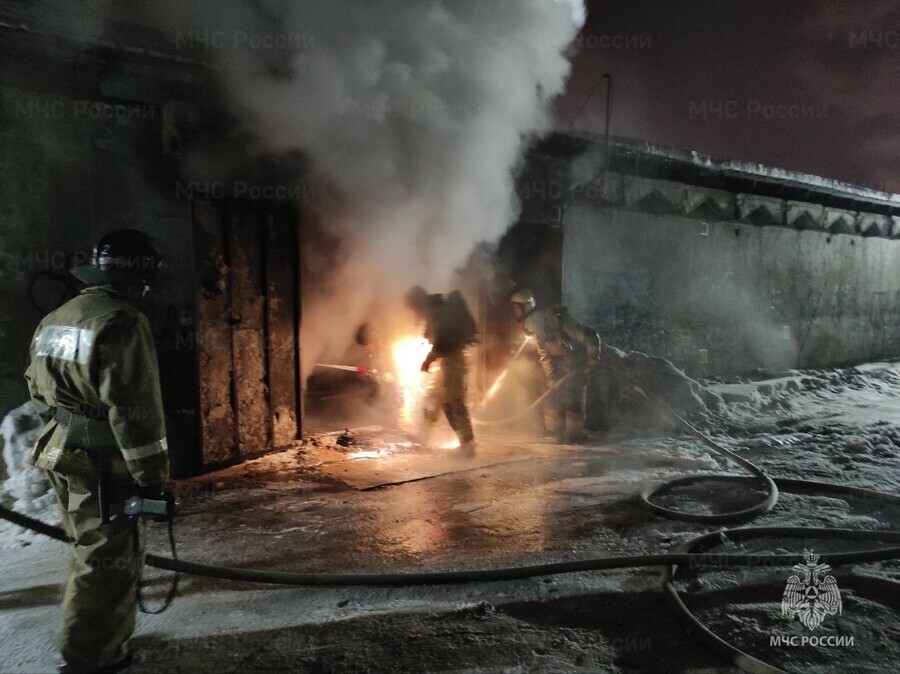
(247, 331)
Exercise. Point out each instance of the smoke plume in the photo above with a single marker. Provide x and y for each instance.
(413, 113)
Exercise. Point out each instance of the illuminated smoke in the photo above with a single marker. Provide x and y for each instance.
(414, 113)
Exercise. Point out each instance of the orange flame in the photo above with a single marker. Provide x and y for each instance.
(411, 381)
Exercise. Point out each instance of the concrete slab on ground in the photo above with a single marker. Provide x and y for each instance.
(372, 469)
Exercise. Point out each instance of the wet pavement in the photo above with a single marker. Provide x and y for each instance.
(516, 500)
(519, 501)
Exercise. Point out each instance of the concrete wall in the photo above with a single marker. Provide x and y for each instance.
(70, 169)
(726, 296)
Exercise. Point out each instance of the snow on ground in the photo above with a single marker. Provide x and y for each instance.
(860, 396)
(278, 512)
(26, 489)
(819, 424)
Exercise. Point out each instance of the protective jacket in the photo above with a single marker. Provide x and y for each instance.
(449, 327)
(557, 335)
(94, 378)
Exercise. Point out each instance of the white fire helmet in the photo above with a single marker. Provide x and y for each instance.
(525, 298)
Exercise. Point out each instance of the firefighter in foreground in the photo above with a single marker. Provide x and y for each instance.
(450, 328)
(94, 380)
(564, 347)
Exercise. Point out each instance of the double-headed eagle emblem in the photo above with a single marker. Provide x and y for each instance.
(809, 597)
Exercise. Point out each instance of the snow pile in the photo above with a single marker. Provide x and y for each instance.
(26, 486)
(838, 425)
(864, 395)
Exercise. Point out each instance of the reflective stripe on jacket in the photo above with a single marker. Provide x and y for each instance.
(96, 353)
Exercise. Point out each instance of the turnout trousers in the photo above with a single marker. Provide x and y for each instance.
(453, 393)
(564, 410)
(100, 602)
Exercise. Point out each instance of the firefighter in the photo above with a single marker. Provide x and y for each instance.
(565, 347)
(450, 328)
(94, 379)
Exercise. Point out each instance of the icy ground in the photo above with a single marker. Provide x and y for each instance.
(282, 512)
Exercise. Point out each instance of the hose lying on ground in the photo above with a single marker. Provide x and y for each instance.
(743, 660)
(770, 488)
(670, 561)
(490, 575)
(762, 507)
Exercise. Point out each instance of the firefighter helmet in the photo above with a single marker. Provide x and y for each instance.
(123, 257)
(417, 299)
(524, 298)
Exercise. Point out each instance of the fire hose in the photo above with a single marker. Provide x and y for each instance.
(517, 572)
(685, 555)
(771, 493)
(757, 475)
(669, 560)
(521, 413)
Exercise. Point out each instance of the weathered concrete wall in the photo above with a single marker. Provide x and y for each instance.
(70, 169)
(728, 296)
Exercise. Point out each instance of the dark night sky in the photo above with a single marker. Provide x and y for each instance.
(669, 57)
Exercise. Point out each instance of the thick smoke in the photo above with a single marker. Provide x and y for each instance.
(413, 113)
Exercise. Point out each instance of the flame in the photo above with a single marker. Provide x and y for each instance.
(408, 356)
(367, 454)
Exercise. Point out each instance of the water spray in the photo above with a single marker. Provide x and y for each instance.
(527, 410)
(492, 391)
(359, 369)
